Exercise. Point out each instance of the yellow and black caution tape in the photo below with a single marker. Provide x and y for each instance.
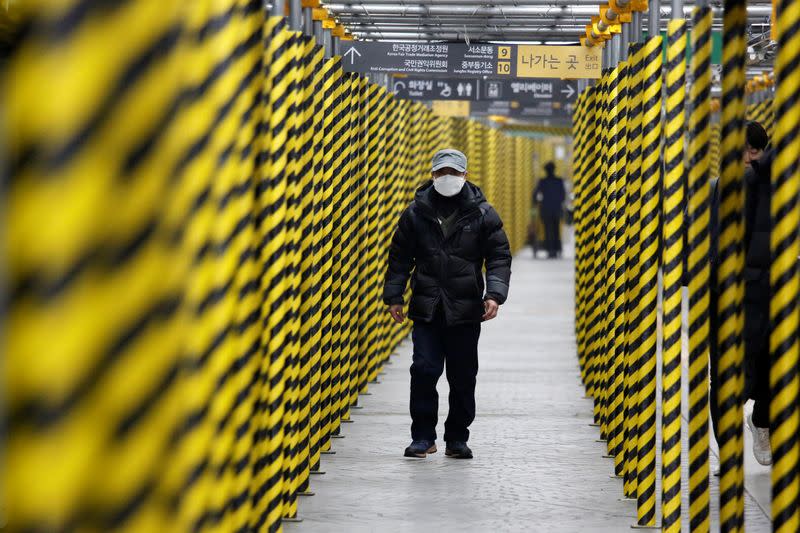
(599, 353)
(764, 113)
(632, 324)
(596, 245)
(586, 204)
(617, 326)
(582, 207)
(588, 213)
(731, 265)
(785, 249)
(195, 297)
(673, 276)
(699, 269)
(650, 225)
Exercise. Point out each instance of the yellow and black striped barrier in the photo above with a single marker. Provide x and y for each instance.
(197, 231)
(619, 167)
(587, 205)
(699, 270)
(582, 201)
(650, 225)
(617, 171)
(785, 249)
(632, 324)
(673, 276)
(715, 147)
(764, 113)
(594, 256)
(731, 266)
(612, 415)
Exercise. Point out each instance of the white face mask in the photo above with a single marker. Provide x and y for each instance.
(449, 185)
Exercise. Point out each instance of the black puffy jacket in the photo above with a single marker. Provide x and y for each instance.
(448, 272)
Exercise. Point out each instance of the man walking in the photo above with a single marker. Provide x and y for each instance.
(550, 196)
(758, 164)
(447, 236)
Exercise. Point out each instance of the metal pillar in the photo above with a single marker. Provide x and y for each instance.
(636, 28)
(318, 33)
(327, 42)
(278, 8)
(654, 18)
(337, 46)
(296, 15)
(615, 42)
(308, 21)
(626, 38)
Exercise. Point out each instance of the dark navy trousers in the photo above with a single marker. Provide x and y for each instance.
(437, 346)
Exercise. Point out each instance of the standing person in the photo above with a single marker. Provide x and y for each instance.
(447, 236)
(756, 333)
(549, 196)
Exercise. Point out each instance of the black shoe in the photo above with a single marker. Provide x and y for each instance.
(458, 450)
(420, 448)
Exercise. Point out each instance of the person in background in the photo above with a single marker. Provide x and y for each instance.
(549, 197)
(758, 162)
(447, 237)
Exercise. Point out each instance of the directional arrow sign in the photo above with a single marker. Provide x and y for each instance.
(469, 61)
(432, 88)
(541, 97)
(352, 52)
(529, 91)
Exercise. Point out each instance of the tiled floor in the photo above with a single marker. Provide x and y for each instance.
(537, 464)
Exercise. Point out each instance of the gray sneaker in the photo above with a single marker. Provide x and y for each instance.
(761, 447)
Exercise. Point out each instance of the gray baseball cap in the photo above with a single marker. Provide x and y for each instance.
(449, 158)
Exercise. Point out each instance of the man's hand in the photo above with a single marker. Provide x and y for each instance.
(397, 313)
(491, 308)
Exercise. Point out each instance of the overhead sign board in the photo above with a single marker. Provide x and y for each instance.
(529, 90)
(571, 62)
(533, 98)
(462, 60)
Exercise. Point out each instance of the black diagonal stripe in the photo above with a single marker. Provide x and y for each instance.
(146, 404)
(42, 413)
(58, 157)
(218, 249)
(106, 256)
(203, 87)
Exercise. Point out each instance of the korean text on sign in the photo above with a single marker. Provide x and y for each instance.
(569, 62)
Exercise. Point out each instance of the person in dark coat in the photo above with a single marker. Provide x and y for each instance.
(443, 242)
(758, 163)
(549, 196)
